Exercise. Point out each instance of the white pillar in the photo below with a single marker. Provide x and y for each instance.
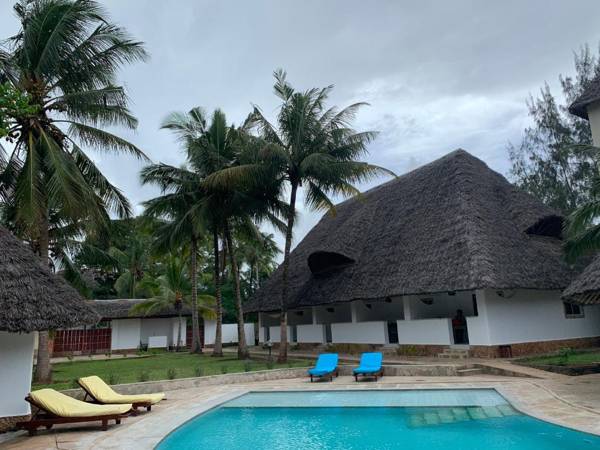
(406, 305)
(313, 310)
(353, 312)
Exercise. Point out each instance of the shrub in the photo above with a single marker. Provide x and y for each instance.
(565, 354)
(144, 375)
(270, 364)
(113, 378)
(224, 369)
(199, 371)
(171, 373)
(74, 383)
(247, 366)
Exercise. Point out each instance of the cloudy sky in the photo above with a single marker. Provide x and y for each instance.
(439, 75)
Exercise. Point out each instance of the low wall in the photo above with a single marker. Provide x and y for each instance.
(359, 333)
(148, 387)
(425, 332)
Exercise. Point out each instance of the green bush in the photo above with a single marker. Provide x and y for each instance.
(172, 373)
(247, 366)
(224, 369)
(144, 375)
(270, 364)
(199, 371)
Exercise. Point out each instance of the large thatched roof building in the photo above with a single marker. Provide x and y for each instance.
(31, 299)
(445, 234)
(585, 289)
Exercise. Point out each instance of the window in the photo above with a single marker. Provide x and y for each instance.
(573, 310)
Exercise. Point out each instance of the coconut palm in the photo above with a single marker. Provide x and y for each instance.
(312, 147)
(65, 58)
(174, 291)
(582, 227)
(258, 252)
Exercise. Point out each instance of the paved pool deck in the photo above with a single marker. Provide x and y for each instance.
(569, 401)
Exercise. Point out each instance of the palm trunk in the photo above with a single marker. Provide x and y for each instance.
(179, 332)
(43, 371)
(242, 347)
(196, 344)
(218, 347)
(283, 343)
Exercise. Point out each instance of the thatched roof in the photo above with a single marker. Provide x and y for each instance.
(31, 297)
(590, 95)
(453, 224)
(120, 309)
(585, 288)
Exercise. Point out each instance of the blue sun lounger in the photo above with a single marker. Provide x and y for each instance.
(370, 365)
(326, 366)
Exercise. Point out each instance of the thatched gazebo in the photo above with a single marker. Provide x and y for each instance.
(31, 299)
(585, 289)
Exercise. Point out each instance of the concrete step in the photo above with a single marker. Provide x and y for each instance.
(441, 416)
(468, 372)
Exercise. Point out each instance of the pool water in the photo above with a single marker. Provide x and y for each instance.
(258, 421)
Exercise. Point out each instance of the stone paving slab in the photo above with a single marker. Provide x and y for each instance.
(563, 406)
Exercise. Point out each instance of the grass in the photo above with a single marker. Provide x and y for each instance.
(161, 366)
(564, 359)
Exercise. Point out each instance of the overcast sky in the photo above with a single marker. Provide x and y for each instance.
(438, 74)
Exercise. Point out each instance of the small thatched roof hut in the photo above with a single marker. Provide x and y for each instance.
(589, 95)
(121, 309)
(451, 225)
(31, 297)
(585, 289)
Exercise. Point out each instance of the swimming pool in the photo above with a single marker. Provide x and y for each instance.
(463, 419)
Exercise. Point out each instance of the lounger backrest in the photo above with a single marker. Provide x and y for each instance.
(327, 361)
(372, 359)
(97, 388)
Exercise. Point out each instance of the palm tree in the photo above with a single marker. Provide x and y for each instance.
(313, 147)
(174, 290)
(131, 262)
(65, 58)
(183, 224)
(258, 252)
(582, 227)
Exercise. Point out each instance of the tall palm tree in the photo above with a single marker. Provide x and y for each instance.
(312, 147)
(258, 252)
(65, 58)
(180, 209)
(174, 290)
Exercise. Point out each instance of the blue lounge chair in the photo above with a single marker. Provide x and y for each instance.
(326, 366)
(370, 365)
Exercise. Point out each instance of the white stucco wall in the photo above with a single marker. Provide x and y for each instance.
(16, 365)
(157, 327)
(531, 315)
(594, 116)
(310, 333)
(425, 332)
(275, 332)
(359, 333)
(125, 334)
(229, 332)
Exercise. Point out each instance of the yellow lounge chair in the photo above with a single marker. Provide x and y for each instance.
(54, 408)
(102, 393)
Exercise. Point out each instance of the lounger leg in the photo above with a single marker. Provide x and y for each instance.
(118, 421)
(356, 378)
(149, 408)
(104, 424)
(311, 380)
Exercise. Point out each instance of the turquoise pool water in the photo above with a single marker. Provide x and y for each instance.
(431, 420)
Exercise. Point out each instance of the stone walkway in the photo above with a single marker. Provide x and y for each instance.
(567, 401)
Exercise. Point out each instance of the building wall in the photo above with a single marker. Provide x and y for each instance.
(16, 365)
(229, 332)
(380, 310)
(359, 333)
(594, 116)
(162, 326)
(175, 329)
(310, 333)
(126, 334)
(425, 332)
(443, 305)
(531, 315)
(275, 333)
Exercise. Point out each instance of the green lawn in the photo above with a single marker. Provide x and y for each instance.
(564, 360)
(161, 366)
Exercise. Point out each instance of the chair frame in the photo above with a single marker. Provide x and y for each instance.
(333, 373)
(379, 374)
(44, 418)
(89, 397)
